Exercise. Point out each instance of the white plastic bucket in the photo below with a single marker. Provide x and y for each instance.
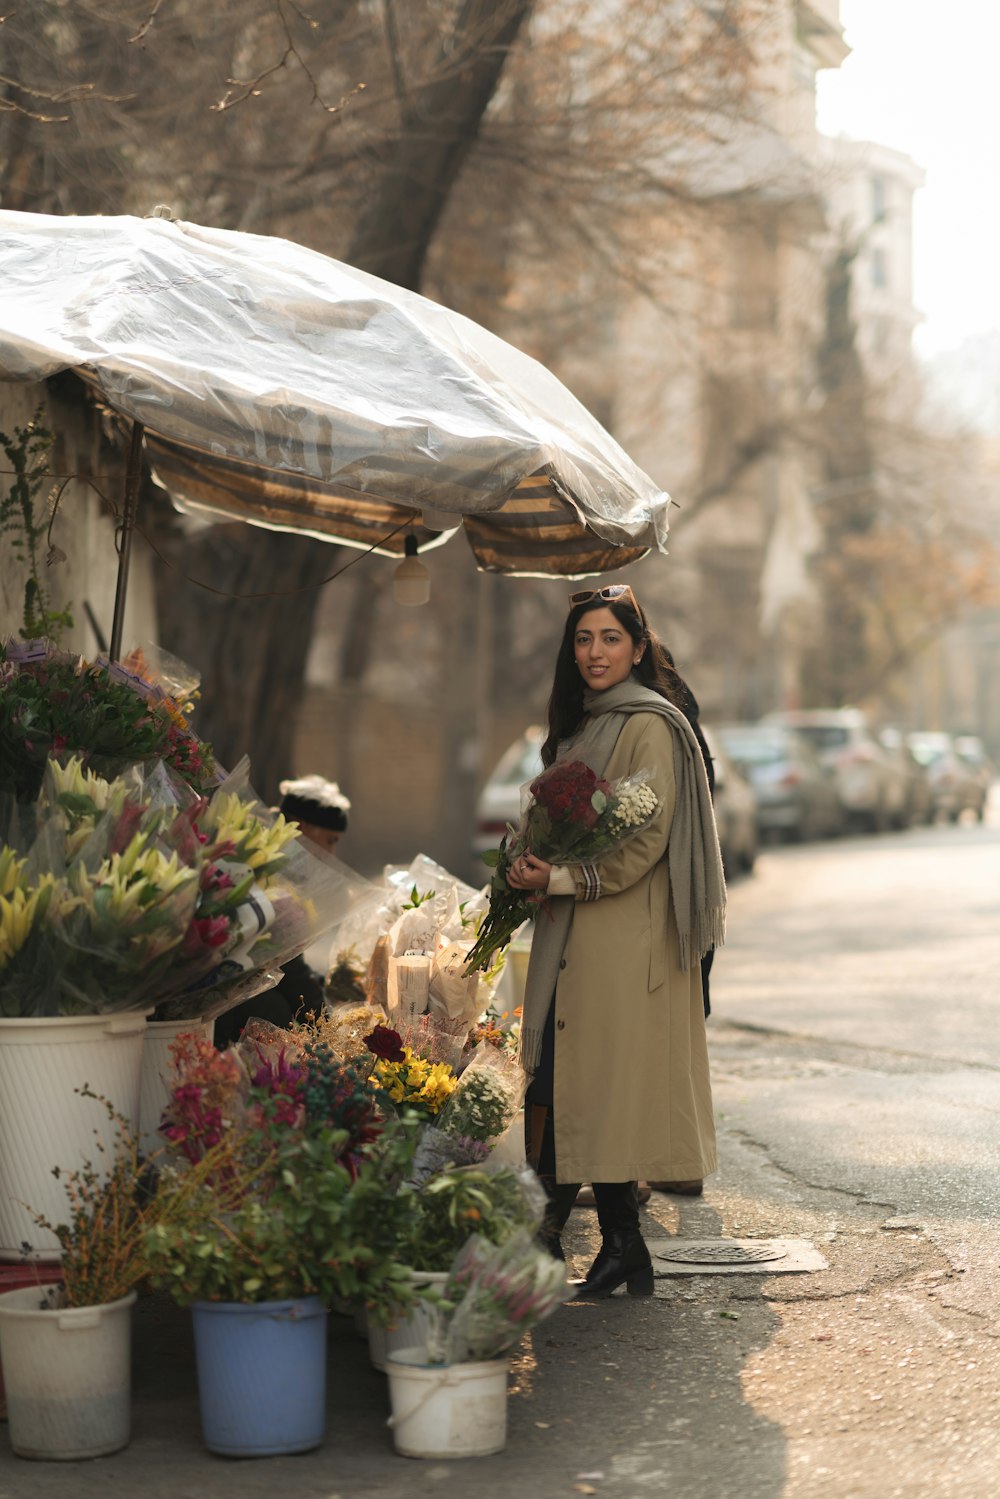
(411, 1331)
(446, 1410)
(44, 1123)
(154, 1088)
(68, 1376)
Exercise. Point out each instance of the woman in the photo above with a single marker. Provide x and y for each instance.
(613, 1026)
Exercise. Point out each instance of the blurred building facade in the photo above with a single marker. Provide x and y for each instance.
(707, 377)
(953, 472)
(714, 374)
(870, 190)
(717, 394)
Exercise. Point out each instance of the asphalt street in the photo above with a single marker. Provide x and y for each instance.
(857, 1082)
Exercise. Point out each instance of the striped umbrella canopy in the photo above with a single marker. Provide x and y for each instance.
(282, 388)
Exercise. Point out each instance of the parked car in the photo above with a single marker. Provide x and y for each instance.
(956, 786)
(867, 785)
(735, 809)
(796, 794)
(915, 804)
(500, 799)
(972, 750)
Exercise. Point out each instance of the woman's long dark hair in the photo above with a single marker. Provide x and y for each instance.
(656, 670)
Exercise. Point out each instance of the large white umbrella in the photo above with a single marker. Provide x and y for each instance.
(277, 386)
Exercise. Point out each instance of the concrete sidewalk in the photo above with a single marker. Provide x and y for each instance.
(765, 1385)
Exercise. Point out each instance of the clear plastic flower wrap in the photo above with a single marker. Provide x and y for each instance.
(497, 1293)
(420, 910)
(267, 896)
(28, 976)
(118, 926)
(95, 901)
(437, 1040)
(489, 1092)
(52, 702)
(263, 1041)
(145, 894)
(475, 1118)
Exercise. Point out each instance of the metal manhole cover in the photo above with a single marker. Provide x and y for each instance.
(723, 1252)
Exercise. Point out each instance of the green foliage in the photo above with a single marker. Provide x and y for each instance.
(24, 518)
(61, 704)
(117, 1201)
(446, 1210)
(417, 898)
(314, 1223)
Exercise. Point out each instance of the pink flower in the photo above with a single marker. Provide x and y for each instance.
(205, 931)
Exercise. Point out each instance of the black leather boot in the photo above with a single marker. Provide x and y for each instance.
(623, 1260)
(562, 1196)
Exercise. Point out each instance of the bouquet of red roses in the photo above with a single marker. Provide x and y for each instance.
(569, 816)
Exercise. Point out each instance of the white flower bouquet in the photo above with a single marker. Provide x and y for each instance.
(489, 1092)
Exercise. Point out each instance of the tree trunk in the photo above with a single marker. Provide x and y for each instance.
(251, 652)
(440, 124)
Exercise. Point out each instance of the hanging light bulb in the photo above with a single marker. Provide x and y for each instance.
(411, 582)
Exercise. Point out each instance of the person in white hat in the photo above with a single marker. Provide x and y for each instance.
(319, 807)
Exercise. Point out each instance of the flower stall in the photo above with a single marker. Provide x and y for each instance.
(355, 1160)
(368, 1158)
(141, 890)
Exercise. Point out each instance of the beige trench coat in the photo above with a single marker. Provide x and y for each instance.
(632, 1095)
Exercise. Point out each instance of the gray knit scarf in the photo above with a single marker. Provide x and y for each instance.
(697, 884)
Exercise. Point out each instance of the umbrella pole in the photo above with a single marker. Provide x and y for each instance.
(133, 474)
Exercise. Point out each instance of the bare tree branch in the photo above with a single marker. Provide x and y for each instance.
(147, 25)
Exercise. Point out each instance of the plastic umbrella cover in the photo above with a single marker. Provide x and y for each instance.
(286, 389)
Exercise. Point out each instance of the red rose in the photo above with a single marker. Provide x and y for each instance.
(386, 1043)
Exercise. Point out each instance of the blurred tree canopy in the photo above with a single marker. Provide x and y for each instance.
(425, 142)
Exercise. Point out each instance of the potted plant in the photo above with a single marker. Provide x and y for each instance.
(127, 894)
(317, 1218)
(449, 1399)
(439, 1218)
(65, 1346)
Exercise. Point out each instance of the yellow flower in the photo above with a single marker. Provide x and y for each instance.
(72, 778)
(234, 821)
(11, 869)
(439, 1084)
(18, 913)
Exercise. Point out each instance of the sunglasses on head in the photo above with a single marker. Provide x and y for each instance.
(611, 593)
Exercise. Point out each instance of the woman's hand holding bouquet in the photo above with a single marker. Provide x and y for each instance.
(572, 816)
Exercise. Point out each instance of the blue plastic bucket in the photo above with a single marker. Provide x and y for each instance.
(261, 1375)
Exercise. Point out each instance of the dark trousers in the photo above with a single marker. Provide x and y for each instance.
(617, 1202)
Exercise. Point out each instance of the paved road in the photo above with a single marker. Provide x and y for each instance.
(858, 1057)
(877, 963)
(857, 1075)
